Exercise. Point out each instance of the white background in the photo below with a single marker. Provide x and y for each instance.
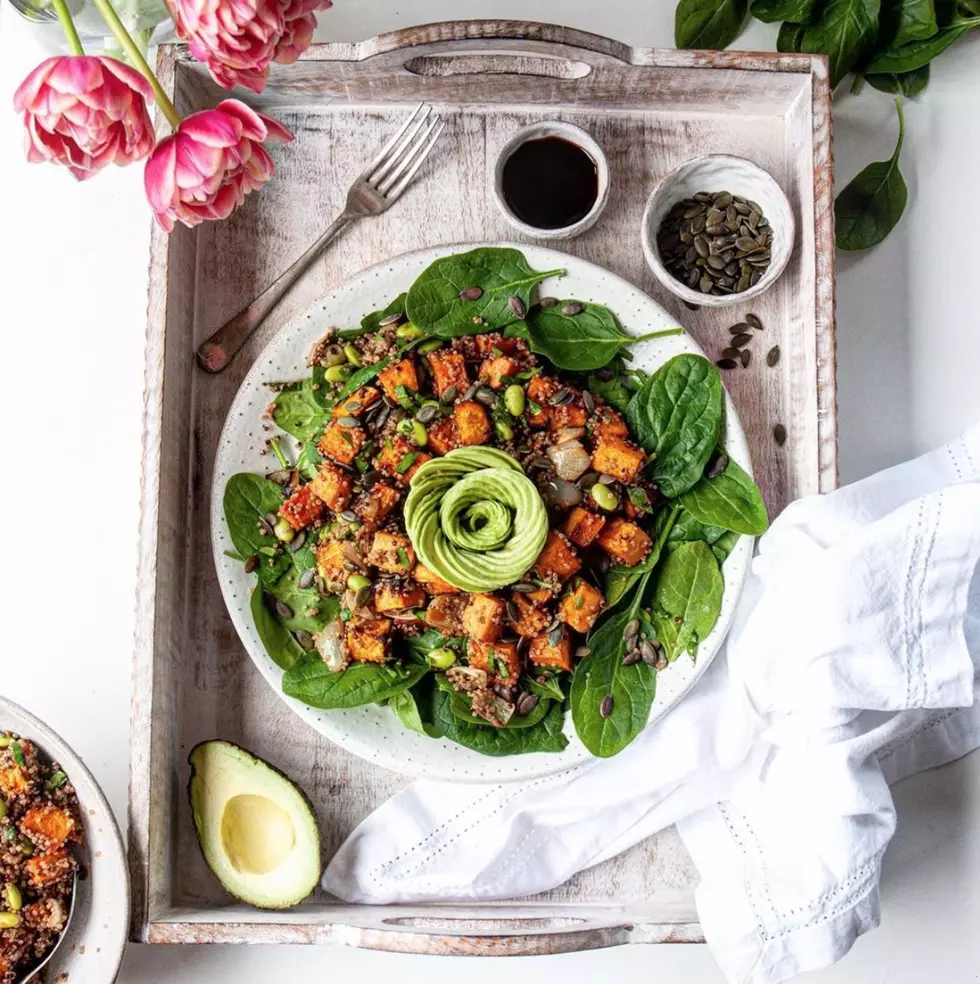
(73, 264)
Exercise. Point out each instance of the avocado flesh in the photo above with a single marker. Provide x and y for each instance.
(256, 829)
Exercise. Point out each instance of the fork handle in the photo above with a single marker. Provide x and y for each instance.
(214, 354)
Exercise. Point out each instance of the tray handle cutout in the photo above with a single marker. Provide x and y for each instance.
(490, 925)
(499, 63)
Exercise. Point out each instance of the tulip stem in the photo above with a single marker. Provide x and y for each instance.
(136, 59)
(68, 26)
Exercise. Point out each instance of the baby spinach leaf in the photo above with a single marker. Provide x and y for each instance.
(551, 689)
(790, 37)
(871, 205)
(611, 390)
(585, 341)
(796, 11)
(917, 54)
(279, 642)
(372, 322)
(729, 501)
(246, 500)
(309, 460)
(723, 546)
(297, 411)
(677, 415)
(434, 305)
(546, 736)
(709, 24)
(845, 31)
(311, 610)
(689, 589)
(407, 711)
(461, 706)
(688, 528)
(908, 84)
(310, 681)
(602, 674)
(903, 21)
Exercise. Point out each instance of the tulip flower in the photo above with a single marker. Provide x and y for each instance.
(210, 163)
(85, 112)
(238, 39)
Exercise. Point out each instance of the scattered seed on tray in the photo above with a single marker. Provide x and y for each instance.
(741, 340)
(779, 434)
(772, 356)
(754, 321)
(746, 358)
(726, 363)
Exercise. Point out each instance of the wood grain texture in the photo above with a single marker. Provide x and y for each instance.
(650, 110)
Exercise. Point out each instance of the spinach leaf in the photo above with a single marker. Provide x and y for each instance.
(434, 305)
(790, 37)
(611, 390)
(677, 415)
(903, 21)
(710, 24)
(620, 578)
(372, 322)
(311, 610)
(461, 706)
(917, 54)
(407, 711)
(845, 31)
(310, 681)
(309, 460)
(730, 501)
(279, 642)
(796, 11)
(546, 736)
(602, 674)
(297, 411)
(908, 84)
(688, 592)
(688, 528)
(723, 546)
(246, 500)
(551, 689)
(871, 205)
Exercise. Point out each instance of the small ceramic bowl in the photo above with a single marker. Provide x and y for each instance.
(714, 173)
(575, 135)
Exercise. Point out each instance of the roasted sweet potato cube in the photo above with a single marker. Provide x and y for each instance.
(618, 457)
(493, 340)
(624, 541)
(606, 422)
(357, 403)
(472, 422)
(444, 613)
(400, 374)
(341, 443)
(532, 619)
(47, 826)
(493, 371)
(541, 596)
(570, 415)
(582, 526)
(443, 435)
(558, 657)
(432, 583)
(499, 660)
(373, 505)
(392, 552)
(366, 640)
(539, 389)
(401, 460)
(448, 368)
(483, 617)
(302, 508)
(48, 869)
(336, 559)
(14, 781)
(393, 596)
(334, 486)
(558, 557)
(581, 606)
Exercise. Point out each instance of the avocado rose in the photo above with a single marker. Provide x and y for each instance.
(475, 519)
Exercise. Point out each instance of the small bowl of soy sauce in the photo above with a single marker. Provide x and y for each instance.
(551, 180)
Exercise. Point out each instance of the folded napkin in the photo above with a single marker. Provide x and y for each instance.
(849, 666)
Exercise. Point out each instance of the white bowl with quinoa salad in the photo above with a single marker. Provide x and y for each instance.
(56, 824)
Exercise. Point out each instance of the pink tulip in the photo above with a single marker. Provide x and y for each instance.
(237, 39)
(210, 163)
(85, 112)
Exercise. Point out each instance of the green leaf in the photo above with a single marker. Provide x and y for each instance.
(845, 31)
(709, 24)
(310, 681)
(372, 322)
(723, 546)
(871, 205)
(904, 21)
(247, 499)
(546, 736)
(729, 501)
(790, 37)
(309, 460)
(677, 416)
(796, 11)
(909, 84)
(297, 412)
(611, 390)
(551, 689)
(580, 342)
(279, 642)
(407, 711)
(311, 610)
(918, 54)
(689, 590)
(434, 304)
(687, 528)
(461, 706)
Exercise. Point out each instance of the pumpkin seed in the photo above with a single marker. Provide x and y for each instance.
(632, 656)
(555, 635)
(561, 396)
(512, 613)
(570, 310)
(427, 414)
(486, 396)
(726, 363)
(448, 395)
(605, 708)
(517, 307)
(251, 563)
(390, 319)
(346, 421)
(471, 293)
(362, 596)
(772, 356)
(740, 329)
(606, 479)
(525, 704)
(741, 340)
(304, 639)
(648, 654)
(349, 515)
(632, 628)
(717, 464)
(754, 321)
(779, 434)
(525, 588)
(746, 358)
(548, 302)
(297, 541)
(730, 353)
(589, 400)
(283, 610)
(581, 652)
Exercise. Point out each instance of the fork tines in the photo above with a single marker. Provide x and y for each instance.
(404, 153)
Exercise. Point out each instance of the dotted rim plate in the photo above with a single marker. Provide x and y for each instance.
(374, 733)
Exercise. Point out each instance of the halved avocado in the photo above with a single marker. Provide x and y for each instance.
(256, 829)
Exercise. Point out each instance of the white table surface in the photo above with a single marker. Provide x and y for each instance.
(73, 264)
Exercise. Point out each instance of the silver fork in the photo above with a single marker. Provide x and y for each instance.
(376, 189)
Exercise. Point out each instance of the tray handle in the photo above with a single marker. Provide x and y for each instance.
(503, 63)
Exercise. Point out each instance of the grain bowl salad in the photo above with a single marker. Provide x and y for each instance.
(484, 518)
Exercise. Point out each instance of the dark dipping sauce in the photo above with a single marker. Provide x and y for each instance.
(550, 183)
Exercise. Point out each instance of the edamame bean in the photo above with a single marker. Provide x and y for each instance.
(357, 581)
(420, 434)
(14, 898)
(426, 347)
(3, 807)
(353, 356)
(504, 431)
(441, 659)
(604, 497)
(9, 920)
(337, 374)
(4, 741)
(514, 400)
(283, 530)
(409, 331)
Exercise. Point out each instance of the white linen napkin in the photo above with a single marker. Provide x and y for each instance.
(849, 666)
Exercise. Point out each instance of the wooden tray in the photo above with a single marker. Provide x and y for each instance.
(649, 110)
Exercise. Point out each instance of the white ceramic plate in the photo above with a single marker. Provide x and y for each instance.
(374, 733)
(93, 947)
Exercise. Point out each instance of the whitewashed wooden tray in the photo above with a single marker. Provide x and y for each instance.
(650, 110)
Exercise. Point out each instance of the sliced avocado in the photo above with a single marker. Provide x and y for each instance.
(257, 831)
